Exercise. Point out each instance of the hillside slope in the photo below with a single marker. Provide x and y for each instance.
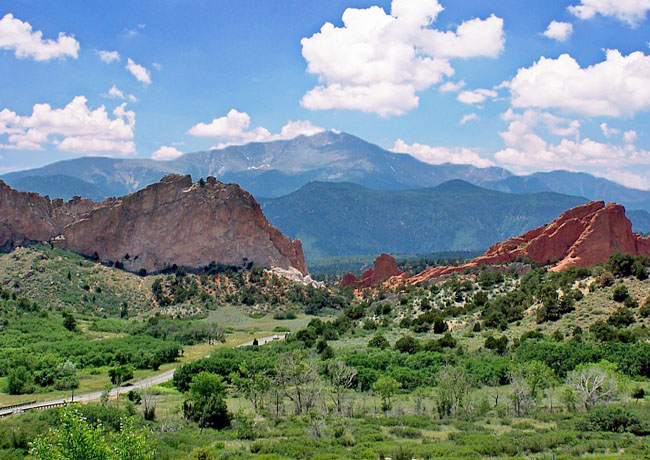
(334, 219)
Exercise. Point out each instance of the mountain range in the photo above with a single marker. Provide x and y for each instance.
(267, 169)
(337, 219)
(277, 168)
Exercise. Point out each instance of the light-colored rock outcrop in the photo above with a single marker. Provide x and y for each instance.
(27, 217)
(172, 222)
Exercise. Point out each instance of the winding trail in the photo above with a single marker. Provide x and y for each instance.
(139, 385)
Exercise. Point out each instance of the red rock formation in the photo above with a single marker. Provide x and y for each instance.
(28, 217)
(173, 222)
(384, 268)
(348, 280)
(582, 236)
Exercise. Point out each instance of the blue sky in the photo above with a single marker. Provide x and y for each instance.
(475, 81)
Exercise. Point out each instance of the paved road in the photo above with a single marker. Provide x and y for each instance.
(139, 385)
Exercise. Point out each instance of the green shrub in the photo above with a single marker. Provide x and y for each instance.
(613, 418)
(379, 341)
(621, 265)
(407, 344)
(620, 293)
(621, 318)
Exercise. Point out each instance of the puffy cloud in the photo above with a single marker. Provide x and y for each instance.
(468, 117)
(559, 31)
(18, 36)
(629, 137)
(298, 128)
(115, 93)
(377, 62)
(109, 56)
(166, 153)
(607, 131)
(616, 87)
(476, 96)
(232, 126)
(234, 129)
(630, 11)
(451, 87)
(438, 155)
(473, 38)
(157, 65)
(74, 128)
(627, 178)
(139, 72)
(527, 151)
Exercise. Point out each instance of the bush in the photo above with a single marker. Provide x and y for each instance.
(134, 396)
(379, 341)
(206, 401)
(407, 344)
(439, 325)
(499, 345)
(614, 418)
(20, 381)
(621, 318)
(620, 293)
(621, 265)
(120, 374)
(68, 321)
(605, 279)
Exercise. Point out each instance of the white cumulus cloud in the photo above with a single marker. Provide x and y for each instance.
(438, 155)
(377, 62)
(607, 131)
(115, 93)
(166, 153)
(616, 87)
(559, 31)
(18, 36)
(451, 87)
(476, 96)
(233, 128)
(139, 72)
(74, 128)
(526, 151)
(108, 56)
(629, 11)
(629, 137)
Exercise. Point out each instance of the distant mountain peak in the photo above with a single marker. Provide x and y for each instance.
(457, 185)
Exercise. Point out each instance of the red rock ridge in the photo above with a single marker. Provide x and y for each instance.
(172, 222)
(384, 267)
(29, 217)
(582, 236)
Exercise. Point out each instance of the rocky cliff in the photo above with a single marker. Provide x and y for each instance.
(27, 217)
(384, 267)
(582, 236)
(172, 222)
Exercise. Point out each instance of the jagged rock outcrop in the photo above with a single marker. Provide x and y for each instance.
(173, 222)
(28, 217)
(384, 267)
(582, 236)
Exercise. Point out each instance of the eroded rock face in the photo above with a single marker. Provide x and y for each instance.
(582, 236)
(29, 217)
(173, 222)
(384, 267)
